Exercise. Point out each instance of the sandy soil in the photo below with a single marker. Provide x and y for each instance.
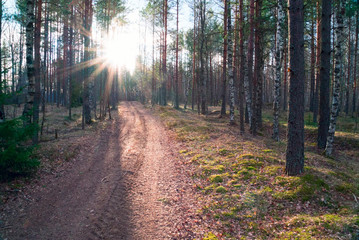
(126, 183)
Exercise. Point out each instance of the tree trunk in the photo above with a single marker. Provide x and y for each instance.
(45, 76)
(2, 109)
(86, 87)
(230, 66)
(30, 18)
(340, 39)
(176, 105)
(324, 76)
(257, 69)
(241, 68)
(37, 66)
(312, 66)
(355, 63)
(153, 86)
(285, 73)
(317, 67)
(194, 56)
(278, 52)
(248, 70)
(349, 70)
(295, 145)
(71, 58)
(203, 95)
(225, 49)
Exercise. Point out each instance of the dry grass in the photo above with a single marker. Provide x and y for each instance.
(244, 193)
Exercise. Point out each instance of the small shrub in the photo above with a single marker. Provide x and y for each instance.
(15, 154)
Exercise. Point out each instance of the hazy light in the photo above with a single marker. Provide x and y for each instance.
(121, 48)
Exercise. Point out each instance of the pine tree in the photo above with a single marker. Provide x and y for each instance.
(295, 136)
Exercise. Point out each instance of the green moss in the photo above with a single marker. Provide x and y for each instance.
(267, 150)
(223, 152)
(219, 168)
(229, 214)
(340, 175)
(272, 170)
(246, 156)
(251, 163)
(314, 180)
(285, 195)
(216, 178)
(244, 174)
(221, 189)
(210, 236)
(345, 188)
(287, 181)
(209, 188)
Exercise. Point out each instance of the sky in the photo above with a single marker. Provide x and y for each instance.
(123, 44)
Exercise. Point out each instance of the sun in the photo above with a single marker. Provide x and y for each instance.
(120, 49)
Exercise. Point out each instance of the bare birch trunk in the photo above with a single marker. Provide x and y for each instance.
(30, 18)
(277, 82)
(340, 38)
(230, 66)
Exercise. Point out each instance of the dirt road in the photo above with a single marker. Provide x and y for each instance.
(126, 183)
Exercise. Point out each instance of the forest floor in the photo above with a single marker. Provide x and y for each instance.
(161, 173)
(241, 187)
(119, 179)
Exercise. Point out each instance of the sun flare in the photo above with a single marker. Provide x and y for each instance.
(120, 50)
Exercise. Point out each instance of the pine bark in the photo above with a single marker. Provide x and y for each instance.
(256, 94)
(340, 39)
(295, 136)
(355, 63)
(324, 76)
(177, 80)
(194, 56)
(86, 85)
(347, 92)
(2, 109)
(317, 67)
(249, 66)
(230, 66)
(241, 68)
(203, 97)
(312, 66)
(225, 53)
(277, 83)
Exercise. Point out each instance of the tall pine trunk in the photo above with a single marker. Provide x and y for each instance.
(355, 64)
(295, 145)
(249, 66)
(2, 109)
(317, 67)
(86, 87)
(177, 80)
(241, 68)
(256, 94)
(225, 53)
(347, 92)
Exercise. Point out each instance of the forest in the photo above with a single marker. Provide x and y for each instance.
(177, 119)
